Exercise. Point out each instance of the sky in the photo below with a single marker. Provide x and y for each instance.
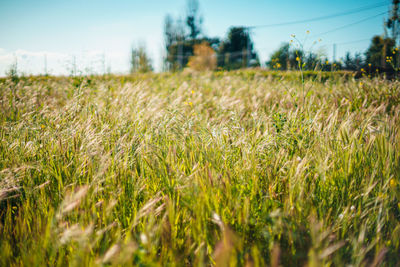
(97, 35)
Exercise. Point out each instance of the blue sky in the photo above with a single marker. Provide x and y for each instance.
(100, 34)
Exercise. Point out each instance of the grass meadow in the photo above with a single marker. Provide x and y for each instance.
(241, 168)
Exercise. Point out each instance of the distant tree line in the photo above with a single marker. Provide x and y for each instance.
(186, 45)
(182, 36)
(140, 61)
(382, 54)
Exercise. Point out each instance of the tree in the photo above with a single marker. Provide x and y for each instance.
(378, 51)
(204, 58)
(174, 43)
(12, 71)
(180, 37)
(353, 63)
(237, 50)
(170, 34)
(286, 58)
(193, 19)
(393, 23)
(280, 58)
(140, 62)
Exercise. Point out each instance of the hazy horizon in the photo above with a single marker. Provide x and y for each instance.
(99, 35)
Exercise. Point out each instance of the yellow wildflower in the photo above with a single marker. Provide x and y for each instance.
(382, 195)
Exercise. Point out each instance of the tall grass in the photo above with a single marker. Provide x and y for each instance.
(225, 169)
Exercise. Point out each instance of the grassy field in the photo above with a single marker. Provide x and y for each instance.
(227, 169)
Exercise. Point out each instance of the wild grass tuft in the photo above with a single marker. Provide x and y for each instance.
(225, 169)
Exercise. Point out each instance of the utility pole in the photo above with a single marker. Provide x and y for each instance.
(334, 53)
(180, 55)
(45, 65)
(394, 20)
(383, 59)
(248, 47)
(333, 57)
(73, 65)
(103, 62)
(15, 67)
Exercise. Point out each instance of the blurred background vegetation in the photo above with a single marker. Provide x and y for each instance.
(184, 35)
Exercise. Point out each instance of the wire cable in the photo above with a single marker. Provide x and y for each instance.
(353, 42)
(349, 25)
(352, 11)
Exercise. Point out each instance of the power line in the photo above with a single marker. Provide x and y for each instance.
(349, 25)
(180, 56)
(245, 52)
(352, 11)
(347, 43)
(343, 43)
(241, 53)
(353, 42)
